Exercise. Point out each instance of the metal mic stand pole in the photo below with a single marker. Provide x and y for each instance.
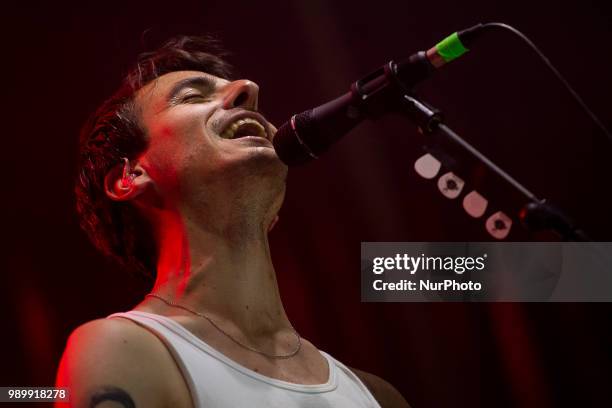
(536, 214)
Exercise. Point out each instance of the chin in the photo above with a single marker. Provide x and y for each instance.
(264, 160)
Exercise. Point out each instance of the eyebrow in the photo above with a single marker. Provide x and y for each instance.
(200, 82)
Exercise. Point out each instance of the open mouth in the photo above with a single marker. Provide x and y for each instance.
(244, 127)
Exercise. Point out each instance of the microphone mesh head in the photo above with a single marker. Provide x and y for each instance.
(291, 144)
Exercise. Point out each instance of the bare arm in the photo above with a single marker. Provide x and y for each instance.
(115, 363)
(385, 393)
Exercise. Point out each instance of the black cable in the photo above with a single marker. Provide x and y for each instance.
(555, 71)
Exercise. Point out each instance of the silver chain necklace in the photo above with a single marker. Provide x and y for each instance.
(279, 356)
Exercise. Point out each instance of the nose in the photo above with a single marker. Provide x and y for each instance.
(241, 94)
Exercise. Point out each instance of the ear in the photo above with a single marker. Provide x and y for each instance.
(124, 182)
(273, 223)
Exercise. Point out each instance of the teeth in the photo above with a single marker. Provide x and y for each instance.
(231, 130)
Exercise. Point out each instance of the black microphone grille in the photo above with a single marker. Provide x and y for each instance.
(289, 141)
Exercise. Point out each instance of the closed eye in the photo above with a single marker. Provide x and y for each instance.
(192, 90)
(193, 98)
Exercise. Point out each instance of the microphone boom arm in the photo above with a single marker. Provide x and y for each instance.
(537, 214)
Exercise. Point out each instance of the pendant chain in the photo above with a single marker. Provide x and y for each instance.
(278, 356)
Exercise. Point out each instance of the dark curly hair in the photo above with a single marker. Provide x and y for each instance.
(114, 132)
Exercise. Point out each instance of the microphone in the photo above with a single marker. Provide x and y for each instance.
(308, 134)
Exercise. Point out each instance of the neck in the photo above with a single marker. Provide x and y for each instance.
(222, 272)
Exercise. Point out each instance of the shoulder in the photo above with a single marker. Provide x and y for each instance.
(106, 332)
(116, 360)
(103, 344)
(385, 393)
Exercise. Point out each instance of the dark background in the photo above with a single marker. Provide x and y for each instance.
(61, 61)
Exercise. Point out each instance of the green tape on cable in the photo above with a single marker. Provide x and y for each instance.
(451, 48)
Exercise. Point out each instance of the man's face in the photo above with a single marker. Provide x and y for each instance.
(205, 136)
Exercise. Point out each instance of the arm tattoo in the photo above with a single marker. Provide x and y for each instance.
(110, 393)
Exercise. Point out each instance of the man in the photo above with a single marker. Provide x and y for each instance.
(178, 176)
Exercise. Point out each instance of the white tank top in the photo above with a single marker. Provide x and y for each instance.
(216, 381)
